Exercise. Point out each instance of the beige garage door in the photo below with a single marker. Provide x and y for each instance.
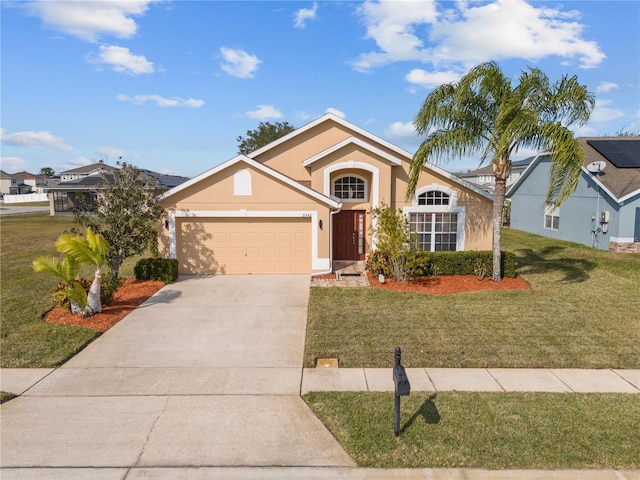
(244, 245)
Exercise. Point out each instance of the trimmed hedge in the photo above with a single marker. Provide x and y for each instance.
(164, 269)
(445, 263)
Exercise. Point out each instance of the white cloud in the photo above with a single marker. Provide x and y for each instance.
(161, 101)
(13, 164)
(602, 112)
(304, 14)
(122, 60)
(89, 20)
(425, 79)
(391, 26)
(264, 112)
(239, 63)
(34, 139)
(605, 87)
(336, 112)
(110, 152)
(469, 33)
(401, 130)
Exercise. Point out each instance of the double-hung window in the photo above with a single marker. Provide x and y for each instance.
(436, 220)
(552, 217)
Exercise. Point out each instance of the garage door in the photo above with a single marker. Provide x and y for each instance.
(244, 245)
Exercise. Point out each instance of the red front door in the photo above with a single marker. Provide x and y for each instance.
(349, 235)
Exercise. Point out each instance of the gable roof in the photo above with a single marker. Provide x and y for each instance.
(334, 203)
(352, 141)
(330, 117)
(326, 118)
(619, 183)
(489, 170)
(87, 169)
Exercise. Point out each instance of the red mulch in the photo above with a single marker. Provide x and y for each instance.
(446, 285)
(130, 294)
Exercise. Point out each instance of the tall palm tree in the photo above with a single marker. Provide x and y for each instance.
(92, 251)
(485, 114)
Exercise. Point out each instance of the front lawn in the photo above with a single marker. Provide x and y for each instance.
(25, 340)
(580, 313)
(485, 430)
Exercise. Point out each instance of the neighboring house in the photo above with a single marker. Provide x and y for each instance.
(81, 192)
(5, 182)
(25, 182)
(85, 171)
(485, 179)
(304, 201)
(604, 210)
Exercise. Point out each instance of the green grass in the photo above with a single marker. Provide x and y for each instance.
(25, 340)
(485, 430)
(6, 396)
(580, 313)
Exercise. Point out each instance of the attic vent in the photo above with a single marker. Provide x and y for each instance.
(242, 183)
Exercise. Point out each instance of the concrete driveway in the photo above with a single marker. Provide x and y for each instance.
(205, 373)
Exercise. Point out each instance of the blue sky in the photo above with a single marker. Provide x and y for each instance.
(170, 85)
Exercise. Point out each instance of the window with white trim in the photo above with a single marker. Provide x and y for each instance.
(435, 232)
(350, 188)
(436, 220)
(433, 197)
(552, 217)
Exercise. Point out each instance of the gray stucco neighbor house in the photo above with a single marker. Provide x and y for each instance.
(604, 210)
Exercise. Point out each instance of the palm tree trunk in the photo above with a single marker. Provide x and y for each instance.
(94, 304)
(498, 207)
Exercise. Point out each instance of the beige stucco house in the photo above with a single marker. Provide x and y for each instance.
(303, 202)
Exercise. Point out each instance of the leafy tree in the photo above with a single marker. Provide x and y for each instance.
(485, 114)
(126, 213)
(394, 240)
(263, 135)
(47, 172)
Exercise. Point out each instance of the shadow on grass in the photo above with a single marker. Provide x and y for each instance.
(575, 270)
(428, 411)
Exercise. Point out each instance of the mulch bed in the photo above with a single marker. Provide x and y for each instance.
(130, 295)
(447, 285)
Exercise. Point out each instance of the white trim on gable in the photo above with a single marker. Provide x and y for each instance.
(258, 166)
(352, 141)
(322, 119)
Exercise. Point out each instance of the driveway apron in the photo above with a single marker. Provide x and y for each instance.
(205, 373)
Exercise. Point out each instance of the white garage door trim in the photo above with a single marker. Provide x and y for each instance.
(316, 263)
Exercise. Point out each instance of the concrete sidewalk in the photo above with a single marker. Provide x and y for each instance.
(473, 380)
(313, 473)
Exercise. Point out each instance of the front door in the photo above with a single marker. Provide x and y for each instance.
(349, 235)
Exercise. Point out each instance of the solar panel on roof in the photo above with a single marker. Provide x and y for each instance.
(621, 153)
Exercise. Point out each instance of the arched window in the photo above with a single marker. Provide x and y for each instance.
(436, 220)
(433, 197)
(350, 187)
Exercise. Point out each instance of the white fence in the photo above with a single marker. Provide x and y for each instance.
(26, 198)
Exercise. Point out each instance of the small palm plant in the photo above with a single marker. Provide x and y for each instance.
(66, 269)
(77, 250)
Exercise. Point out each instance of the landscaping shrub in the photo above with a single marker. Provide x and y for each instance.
(164, 269)
(446, 263)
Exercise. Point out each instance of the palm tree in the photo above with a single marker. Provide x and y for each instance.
(484, 114)
(66, 270)
(92, 251)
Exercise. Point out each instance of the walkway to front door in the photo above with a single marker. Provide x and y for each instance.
(349, 232)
